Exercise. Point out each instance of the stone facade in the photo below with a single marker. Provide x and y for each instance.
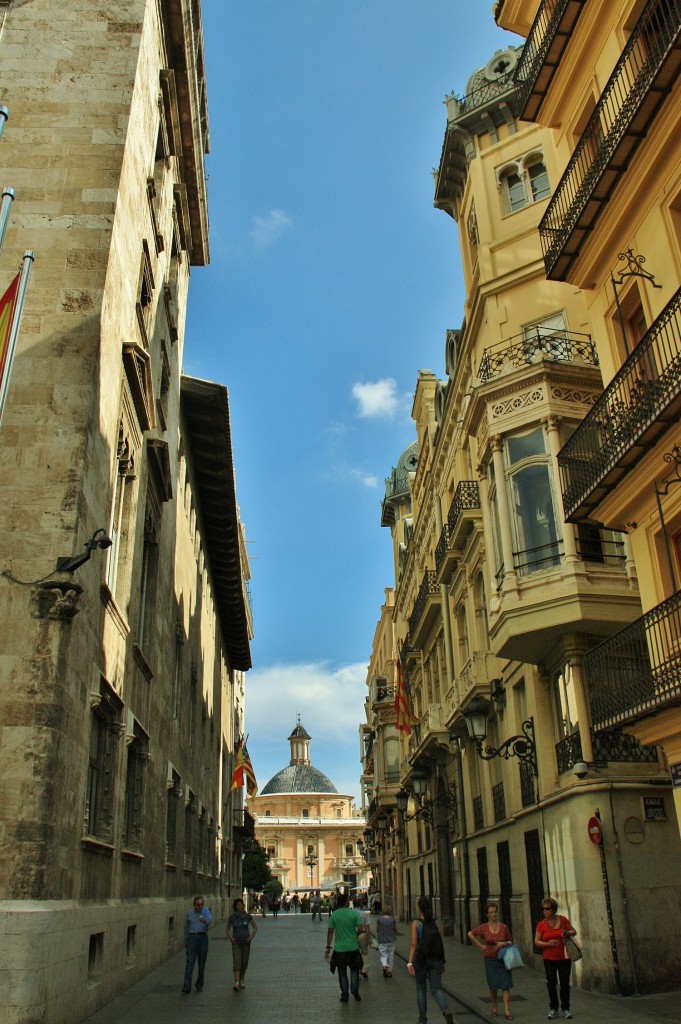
(121, 681)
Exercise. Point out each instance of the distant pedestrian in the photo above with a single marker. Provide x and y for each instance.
(549, 938)
(490, 938)
(427, 961)
(241, 929)
(264, 904)
(287, 901)
(344, 924)
(196, 942)
(316, 904)
(386, 934)
(295, 902)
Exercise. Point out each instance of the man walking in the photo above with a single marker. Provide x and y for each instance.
(196, 942)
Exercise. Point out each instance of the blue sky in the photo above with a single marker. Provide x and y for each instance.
(332, 282)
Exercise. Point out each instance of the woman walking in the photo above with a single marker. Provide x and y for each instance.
(427, 961)
(386, 936)
(490, 938)
(241, 929)
(343, 926)
(549, 938)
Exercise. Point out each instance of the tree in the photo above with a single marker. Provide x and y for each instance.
(255, 869)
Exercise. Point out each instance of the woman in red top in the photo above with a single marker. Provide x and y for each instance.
(490, 938)
(549, 938)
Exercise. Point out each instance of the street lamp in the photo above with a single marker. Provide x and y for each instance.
(311, 860)
(521, 746)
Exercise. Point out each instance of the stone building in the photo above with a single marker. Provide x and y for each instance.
(311, 832)
(498, 601)
(125, 627)
(605, 76)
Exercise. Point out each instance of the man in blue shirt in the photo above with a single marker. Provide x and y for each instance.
(196, 942)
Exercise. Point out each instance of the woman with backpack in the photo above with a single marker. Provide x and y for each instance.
(427, 961)
(490, 938)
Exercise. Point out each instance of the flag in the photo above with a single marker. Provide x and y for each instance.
(7, 307)
(404, 716)
(243, 774)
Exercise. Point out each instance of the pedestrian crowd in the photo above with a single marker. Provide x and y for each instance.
(350, 938)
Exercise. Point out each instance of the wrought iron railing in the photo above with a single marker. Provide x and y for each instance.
(466, 496)
(647, 383)
(429, 588)
(526, 349)
(545, 556)
(245, 822)
(441, 549)
(528, 791)
(487, 93)
(637, 671)
(611, 125)
(478, 814)
(599, 546)
(499, 802)
(547, 22)
(608, 747)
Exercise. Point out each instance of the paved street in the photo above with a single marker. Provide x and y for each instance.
(288, 981)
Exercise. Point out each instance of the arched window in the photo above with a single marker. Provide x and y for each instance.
(539, 179)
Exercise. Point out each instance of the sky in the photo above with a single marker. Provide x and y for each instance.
(332, 281)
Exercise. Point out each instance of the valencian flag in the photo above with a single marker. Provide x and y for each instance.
(243, 774)
(405, 717)
(7, 307)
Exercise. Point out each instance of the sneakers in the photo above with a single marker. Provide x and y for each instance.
(553, 1014)
(567, 1015)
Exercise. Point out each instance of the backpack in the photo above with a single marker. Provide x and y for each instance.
(430, 942)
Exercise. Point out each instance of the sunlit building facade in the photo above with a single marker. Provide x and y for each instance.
(499, 601)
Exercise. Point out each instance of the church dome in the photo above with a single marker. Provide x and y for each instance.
(299, 776)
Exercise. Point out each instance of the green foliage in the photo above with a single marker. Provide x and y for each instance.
(273, 889)
(255, 869)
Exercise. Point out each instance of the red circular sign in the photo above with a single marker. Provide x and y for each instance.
(594, 829)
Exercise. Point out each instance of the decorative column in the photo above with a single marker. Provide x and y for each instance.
(552, 428)
(575, 649)
(496, 444)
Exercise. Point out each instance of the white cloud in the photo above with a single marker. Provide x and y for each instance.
(376, 399)
(267, 231)
(366, 479)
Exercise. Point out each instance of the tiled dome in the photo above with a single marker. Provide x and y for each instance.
(299, 778)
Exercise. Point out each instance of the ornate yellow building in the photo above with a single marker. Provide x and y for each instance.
(499, 602)
(312, 833)
(604, 74)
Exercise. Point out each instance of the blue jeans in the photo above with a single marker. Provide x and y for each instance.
(343, 980)
(197, 947)
(432, 973)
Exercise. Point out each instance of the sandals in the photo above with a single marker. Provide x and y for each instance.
(508, 1016)
(495, 1011)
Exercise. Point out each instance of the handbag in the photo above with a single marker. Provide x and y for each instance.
(511, 957)
(572, 950)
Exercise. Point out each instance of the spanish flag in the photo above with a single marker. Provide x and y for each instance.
(7, 307)
(243, 774)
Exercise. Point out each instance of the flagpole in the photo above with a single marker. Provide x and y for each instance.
(5, 205)
(28, 259)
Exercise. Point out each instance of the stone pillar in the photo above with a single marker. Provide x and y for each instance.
(551, 426)
(503, 509)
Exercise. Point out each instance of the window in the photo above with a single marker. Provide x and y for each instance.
(547, 337)
(120, 552)
(138, 757)
(391, 759)
(190, 812)
(105, 729)
(149, 572)
(481, 624)
(145, 296)
(349, 850)
(174, 792)
(306, 813)
(531, 499)
(271, 852)
(523, 182)
(462, 634)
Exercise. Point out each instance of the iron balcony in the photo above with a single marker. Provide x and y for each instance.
(548, 38)
(642, 79)
(634, 411)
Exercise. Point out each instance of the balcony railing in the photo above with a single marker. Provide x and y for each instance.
(637, 672)
(608, 747)
(243, 823)
(635, 409)
(466, 499)
(429, 588)
(543, 49)
(526, 349)
(637, 88)
(499, 802)
(478, 815)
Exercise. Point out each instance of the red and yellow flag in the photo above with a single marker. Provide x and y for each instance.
(243, 774)
(404, 716)
(7, 307)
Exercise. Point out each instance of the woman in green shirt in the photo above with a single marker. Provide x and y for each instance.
(343, 926)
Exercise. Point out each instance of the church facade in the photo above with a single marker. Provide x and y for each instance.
(311, 832)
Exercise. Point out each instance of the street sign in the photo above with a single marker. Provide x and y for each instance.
(594, 830)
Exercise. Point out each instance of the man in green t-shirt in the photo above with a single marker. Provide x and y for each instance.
(343, 926)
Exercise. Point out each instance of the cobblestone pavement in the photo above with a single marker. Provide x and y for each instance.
(288, 982)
